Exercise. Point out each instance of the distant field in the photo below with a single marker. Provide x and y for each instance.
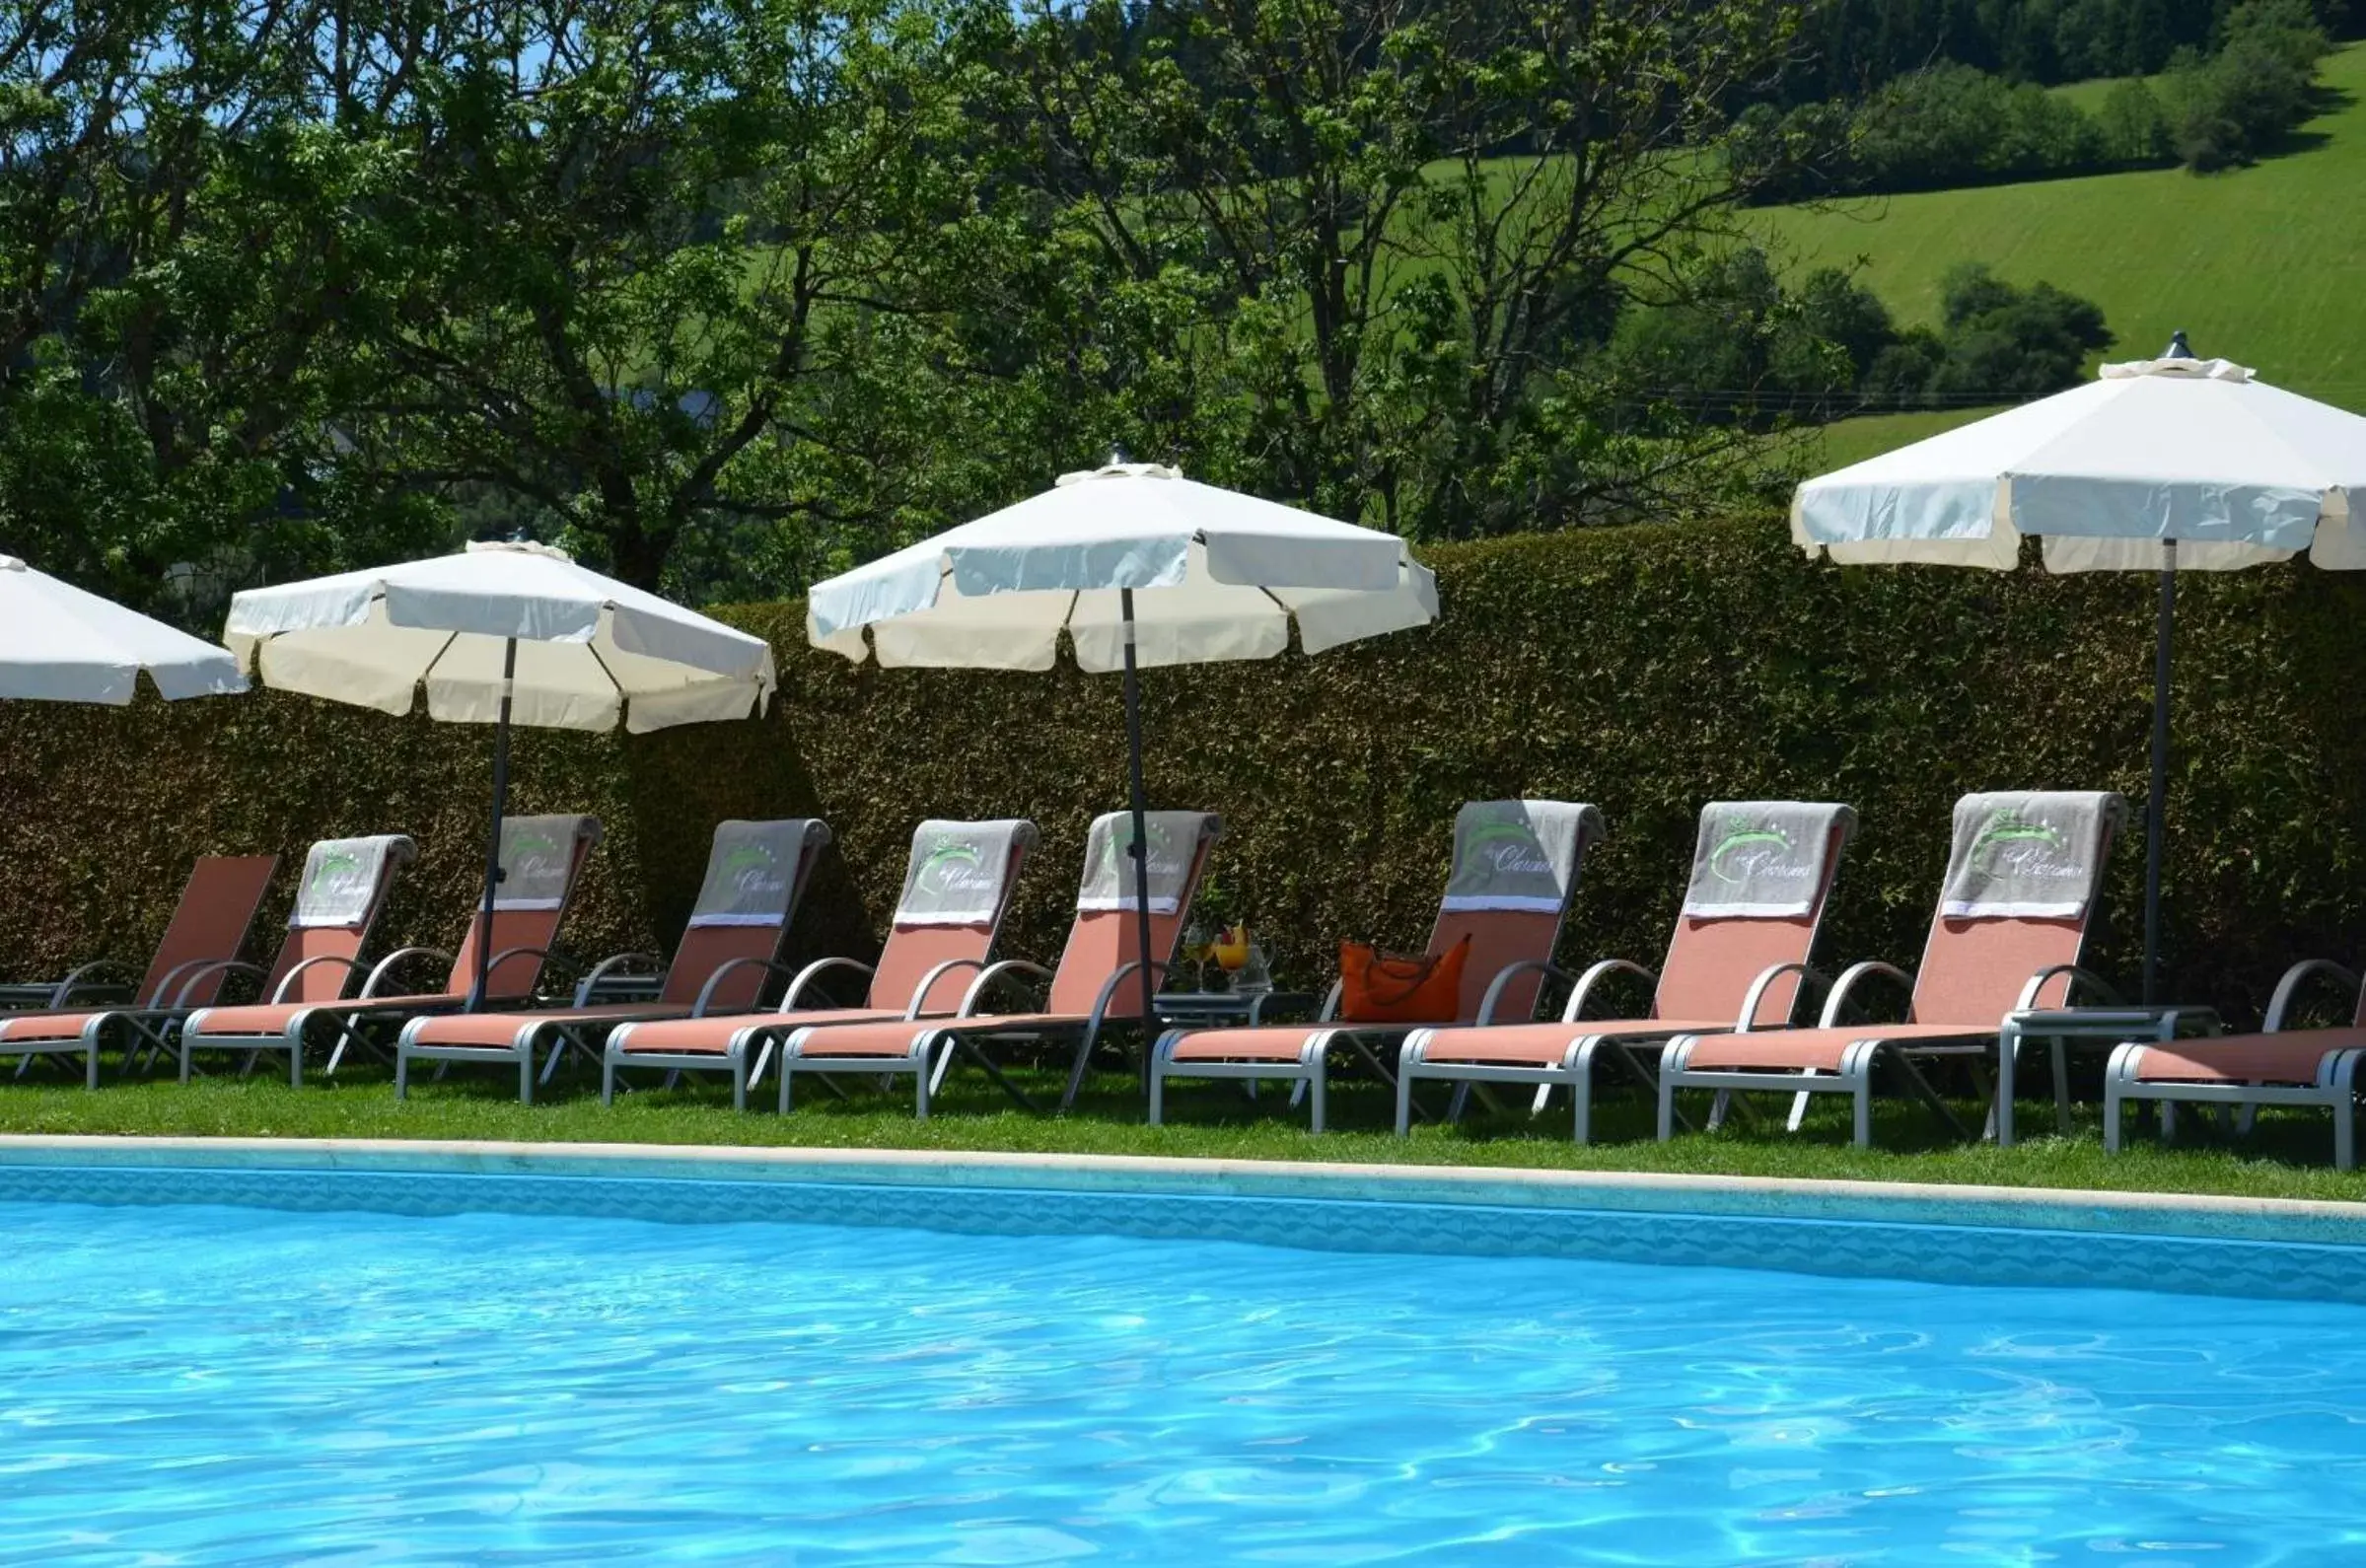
(2265, 266)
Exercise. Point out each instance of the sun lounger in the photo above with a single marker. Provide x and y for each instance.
(200, 945)
(2022, 877)
(957, 888)
(2279, 1066)
(1095, 983)
(755, 875)
(1761, 874)
(1516, 866)
(542, 858)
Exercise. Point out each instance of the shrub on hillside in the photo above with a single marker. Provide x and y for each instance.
(2240, 101)
(1740, 346)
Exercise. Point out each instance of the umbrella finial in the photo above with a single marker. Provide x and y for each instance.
(2178, 347)
(1118, 457)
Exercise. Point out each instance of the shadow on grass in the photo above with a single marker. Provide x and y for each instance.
(2287, 1156)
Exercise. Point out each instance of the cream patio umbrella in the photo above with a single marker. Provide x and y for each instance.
(2162, 466)
(59, 643)
(500, 633)
(1134, 565)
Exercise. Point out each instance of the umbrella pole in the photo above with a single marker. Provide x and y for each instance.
(2156, 804)
(492, 850)
(1141, 832)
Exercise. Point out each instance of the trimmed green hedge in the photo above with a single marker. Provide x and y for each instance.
(1645, 670)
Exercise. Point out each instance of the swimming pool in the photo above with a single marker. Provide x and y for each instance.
(193, 1383)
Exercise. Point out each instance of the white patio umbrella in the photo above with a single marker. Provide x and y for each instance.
(501, 632)
(2166, 464)
(1135, 565)
(59, 643)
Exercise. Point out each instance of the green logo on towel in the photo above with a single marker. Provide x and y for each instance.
(747, 857)
(953, 865)
(335, 866)
(2009, 828)
(1745, 850)
(1494, 851)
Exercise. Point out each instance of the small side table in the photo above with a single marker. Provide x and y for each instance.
(1212, 1009)
(2089, 1027)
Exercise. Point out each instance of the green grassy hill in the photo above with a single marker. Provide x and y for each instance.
(2265, 265)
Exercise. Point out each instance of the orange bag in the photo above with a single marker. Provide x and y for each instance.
(1401, 988)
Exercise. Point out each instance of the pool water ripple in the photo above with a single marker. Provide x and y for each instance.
(215, 1386)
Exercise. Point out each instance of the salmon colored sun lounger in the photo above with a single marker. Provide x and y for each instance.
(2279, 1066)
(2022, 874)
(1761, 874)
(755, 877)
(199, 950)
(1516, 867)
(540, 859)
(957, 888)
(1095, 984)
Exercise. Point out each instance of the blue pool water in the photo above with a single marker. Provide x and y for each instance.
(197, 1386)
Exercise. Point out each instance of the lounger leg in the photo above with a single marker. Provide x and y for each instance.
(401, 1075)
(526, 1074)
(184, 1059)
(1405, 1102)
(1581, 1091)
(1667, 1128)
(1316, 1087)
(2000, 1113)
(920, 1094)
(739, 1086)
(2167, 1120)
(295, 1064)
(2061, 1086)
(787, 1078)
(1864, 1107)
(608, 1082)
(1799, 1106)
(1157, 1091)
(2111, 1105)
(1719, 1104)
(764, 1059)
(90, 1076)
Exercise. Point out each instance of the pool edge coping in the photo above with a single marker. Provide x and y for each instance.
(2280, 1220)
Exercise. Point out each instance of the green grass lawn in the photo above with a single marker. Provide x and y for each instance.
(2263, 265)
(2288, 1157)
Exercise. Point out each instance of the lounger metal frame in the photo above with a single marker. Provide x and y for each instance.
(1863, 1057)
(352, 1016)
(937, 1043)
(2334, 1088)
(1575, 1069)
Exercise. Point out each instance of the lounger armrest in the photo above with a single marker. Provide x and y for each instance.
(279, 993)
(706, 992)
(548, 955)
(1119, 977)
(928, 983)
(996, 971)
(1331, 1000)
(191, 975)
(79, 978)
(1596, 974)
(386, 965)
(2279, 1005)
(1747, 1019)
(1845, 987)
(819, 967)
(1510, 973)
(2038, 981)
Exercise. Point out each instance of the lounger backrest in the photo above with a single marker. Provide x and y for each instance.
(1713, 960)
(1516, 867)
(530, 928)
(724, 928)
(1101, 940)
(918, 942)
(1973, 969)
(209, 926)
(344, 931)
